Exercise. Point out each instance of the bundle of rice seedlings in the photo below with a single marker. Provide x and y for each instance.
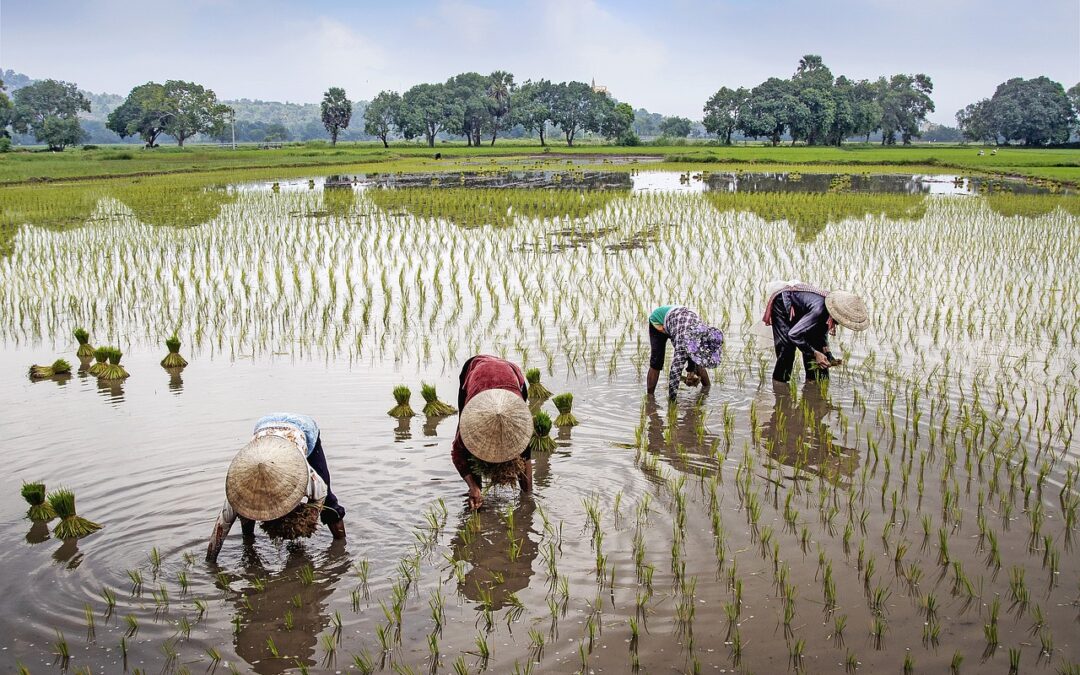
(302, 521)
(502, 473)
(173, 358)
(691, 379)
(58, 367)
(402, 394)
(40, 510)
(433, 406)
(541, 441)
(566, 418)
(85, 350)
(101, 355)
(537, 391)
(71, 525)
(113, 370)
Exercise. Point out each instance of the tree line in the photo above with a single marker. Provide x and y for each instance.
(814, 107)
(1038, 111)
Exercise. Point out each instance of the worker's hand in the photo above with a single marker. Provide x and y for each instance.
(476, 498)
(821, 360)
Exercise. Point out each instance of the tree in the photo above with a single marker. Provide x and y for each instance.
(500, 100)
(49, 109)
(7, 111)
(193, 109)
(383, 115)
(573, 108)
(676, 127)
(144, 113)
(1035, 111)
(615, 121)
(1074, 98)
(428, 109)
(722, 112)
(768, 110)
(531, 106)
(905, 103)
(336, 112)
(811, 116)
(975, 122)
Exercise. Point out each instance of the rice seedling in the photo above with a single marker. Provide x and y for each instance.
(541, 440)
(564, 403)
(172, 358)
(71, 525)
(402, 410)
(113, 371)
(538, 393)
(364, 662)
(85, 351)
(40, 511)
(58, 367)
(61, 650)
(433, 407)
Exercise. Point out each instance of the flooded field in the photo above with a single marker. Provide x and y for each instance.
(918, 514)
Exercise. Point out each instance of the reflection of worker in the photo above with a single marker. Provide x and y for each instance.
(798, 434)
(802, 318)
(684, 441)
(697, 346)
(484, 542)
(287, 609)
(281, 470)
(495, 424)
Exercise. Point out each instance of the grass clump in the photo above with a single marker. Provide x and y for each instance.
(58, 367)
(433, 407)
(402, 394)
(564, 402)
(541, 441)
(85, 351)
(101, 361)
(173, 358)
(113, 370)
(41, 511)
(71, 525)
(302, 521)
(537, 391)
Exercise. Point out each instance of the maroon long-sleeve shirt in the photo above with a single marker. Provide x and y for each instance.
(481, 373)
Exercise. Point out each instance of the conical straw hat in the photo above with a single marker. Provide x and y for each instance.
(848, 310)
(267, 478)
(496, 425)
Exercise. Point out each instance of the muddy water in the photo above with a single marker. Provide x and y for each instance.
(733, 501)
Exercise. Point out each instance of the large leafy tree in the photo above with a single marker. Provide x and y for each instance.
(1074, 98)
(976, 122)
(7, 111)
(499, 100)
(428, 109)
(336, 112)
(1034, 112)
(722, 112)
(145, 113)
(813, 110)
(531, 105)
(768, 110)
(676, 127)
(469, 100)
(384, 115)
(49, 109)
(905, 103)
(574, 108)
(194, 109)
(614, 121)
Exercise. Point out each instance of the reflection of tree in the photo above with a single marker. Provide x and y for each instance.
(798, 435)
(338, 199)
(476, 207)
(483, 541)
(807, 214)
(174, 204)
(53, 207)
(1031, 205)
(262, 614)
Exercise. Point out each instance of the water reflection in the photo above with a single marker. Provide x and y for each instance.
(403, 431)
(38, 533)
(176, 380)
(288, 610)
(797, 434)
(499, 557)
(681, 435)
(68, 554)
(172, 205)
(111, 390)
(431, 425)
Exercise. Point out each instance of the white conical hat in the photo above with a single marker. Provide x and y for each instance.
(267, 478)
(848, 310)
(496, 425)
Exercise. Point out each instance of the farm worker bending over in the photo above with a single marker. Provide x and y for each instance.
(697, 346)
(802, 318)
(494, 427)
(279, 478)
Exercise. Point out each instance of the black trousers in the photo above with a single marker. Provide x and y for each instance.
(785, 350)
(658, 349)
(332, 510)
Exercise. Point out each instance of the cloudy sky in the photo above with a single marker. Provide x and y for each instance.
(665, 56)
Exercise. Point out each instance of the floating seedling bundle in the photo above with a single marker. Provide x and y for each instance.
(402, 394)
(113, 370)
(564, 402)
(501, 473)
(85, 351)
(433, 407)
(71, 525)
(41, 511)
(101, 356)
(173, 358)
(537, 391)
(541, 440)
(58, 367)
(301, 522)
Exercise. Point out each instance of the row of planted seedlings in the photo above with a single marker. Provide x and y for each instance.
(541, 289)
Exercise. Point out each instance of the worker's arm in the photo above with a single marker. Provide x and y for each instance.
(224, 523)
(813, 320)
(526, 481)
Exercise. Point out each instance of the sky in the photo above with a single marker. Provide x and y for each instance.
(668, 57)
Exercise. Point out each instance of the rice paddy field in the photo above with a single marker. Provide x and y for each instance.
(917, 514)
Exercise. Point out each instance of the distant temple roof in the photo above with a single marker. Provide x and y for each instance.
(598, 88)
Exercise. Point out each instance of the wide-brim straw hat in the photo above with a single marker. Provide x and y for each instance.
(496, 425)
(267, 478)
(848, 310)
